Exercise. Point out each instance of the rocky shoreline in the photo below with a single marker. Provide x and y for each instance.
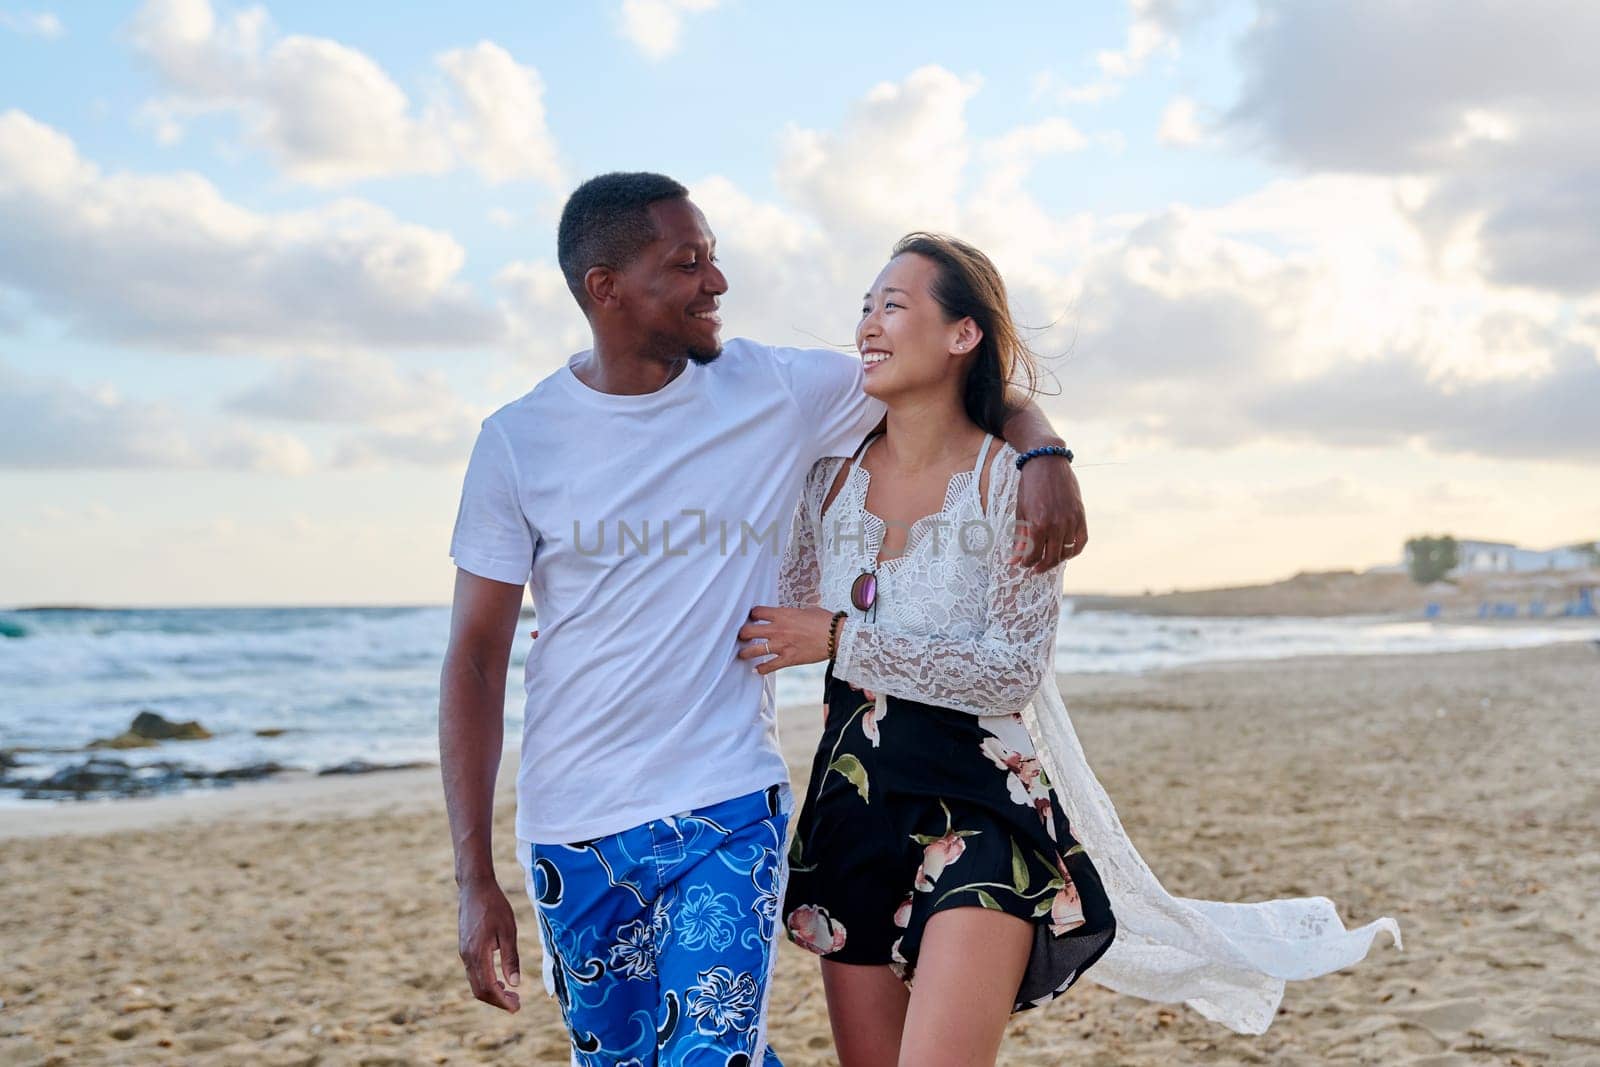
(101, 777)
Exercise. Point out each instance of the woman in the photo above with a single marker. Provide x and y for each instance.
(933, 847)
(930, 843)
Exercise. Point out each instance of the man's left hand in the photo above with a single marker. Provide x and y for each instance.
(1051, 508)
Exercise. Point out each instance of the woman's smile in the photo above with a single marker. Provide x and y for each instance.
(871, 357)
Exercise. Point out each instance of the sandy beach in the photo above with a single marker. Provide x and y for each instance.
(313, 922)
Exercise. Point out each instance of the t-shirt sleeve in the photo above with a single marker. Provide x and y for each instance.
(492, 537)
(827, 387)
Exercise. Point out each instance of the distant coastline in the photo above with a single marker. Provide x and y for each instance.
(1323, 594)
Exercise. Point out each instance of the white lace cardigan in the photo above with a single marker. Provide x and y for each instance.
(961, 628)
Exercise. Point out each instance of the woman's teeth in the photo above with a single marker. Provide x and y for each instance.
(869, 358)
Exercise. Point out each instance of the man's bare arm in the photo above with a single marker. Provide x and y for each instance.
(1027, 427)
(472, 693)
(1048, 499)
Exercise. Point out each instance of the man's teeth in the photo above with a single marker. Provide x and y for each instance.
(875, 357)
(709, 316)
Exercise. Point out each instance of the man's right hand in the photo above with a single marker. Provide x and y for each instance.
(472, 698)
(487, 925)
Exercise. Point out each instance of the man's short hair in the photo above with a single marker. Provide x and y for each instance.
(606, 223)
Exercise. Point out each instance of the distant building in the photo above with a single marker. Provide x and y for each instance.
(1502, 557)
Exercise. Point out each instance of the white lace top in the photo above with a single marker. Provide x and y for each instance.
(964, 630)
(955, 624)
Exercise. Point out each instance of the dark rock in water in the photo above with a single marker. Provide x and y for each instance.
(272, 731)
(249, 772)
(159, 728)
(103, 774)
(148, 728)
(108, 776)
(98, 773)
(361, 766)
(126, 739)
(7, 761)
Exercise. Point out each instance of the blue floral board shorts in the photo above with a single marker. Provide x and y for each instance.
(660, 941)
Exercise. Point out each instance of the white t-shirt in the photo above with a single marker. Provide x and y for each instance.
(650, 525)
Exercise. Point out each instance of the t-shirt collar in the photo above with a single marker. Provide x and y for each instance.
(626, 401)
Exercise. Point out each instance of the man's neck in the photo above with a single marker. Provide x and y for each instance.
(610, 369)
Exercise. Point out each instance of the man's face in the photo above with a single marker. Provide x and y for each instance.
(670, 291)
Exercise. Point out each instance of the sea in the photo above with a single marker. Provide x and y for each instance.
(361, 683)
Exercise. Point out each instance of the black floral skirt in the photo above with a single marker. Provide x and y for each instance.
(922, 808)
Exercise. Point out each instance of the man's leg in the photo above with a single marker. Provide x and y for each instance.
(723, 871)
(595, 903)
(867, 1011)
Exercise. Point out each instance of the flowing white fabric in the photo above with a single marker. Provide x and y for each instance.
(1227, 961)
(961, 629)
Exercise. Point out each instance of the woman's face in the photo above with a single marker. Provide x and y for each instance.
(904, 340)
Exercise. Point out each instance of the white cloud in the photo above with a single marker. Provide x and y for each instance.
(328, 114)
(499, 126)
(1049, 86)
(1336, 333)
(33, 24)
(1150, 31)
(896, 164)
(1504, 121)
(50, 423)
(543, 320)
(351, 389)
(1153, 27)
(392, 416)
(1248, 322)
(166, 261)
(1025, 145)
(655, 27)
(1180, 123)
(1395, 400)
(444, 442)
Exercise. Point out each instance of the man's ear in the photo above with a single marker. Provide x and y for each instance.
(601, 285)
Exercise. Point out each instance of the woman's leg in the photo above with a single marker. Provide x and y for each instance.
(968, 970)
(867, 1010)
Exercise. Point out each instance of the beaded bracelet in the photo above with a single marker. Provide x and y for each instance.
(1047, 450)
(833, 633)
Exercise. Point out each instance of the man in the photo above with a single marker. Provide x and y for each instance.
(642, 492)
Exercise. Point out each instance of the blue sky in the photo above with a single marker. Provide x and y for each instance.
(263, 267)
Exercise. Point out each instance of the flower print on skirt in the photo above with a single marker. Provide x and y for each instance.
(912, 809)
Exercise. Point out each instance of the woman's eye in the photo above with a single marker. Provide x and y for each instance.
(890, 304)
(687, 266)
